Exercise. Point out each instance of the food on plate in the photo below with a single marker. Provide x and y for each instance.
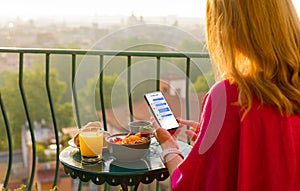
(76, 140)
(105, 134)
(128, 147)
(130, 139)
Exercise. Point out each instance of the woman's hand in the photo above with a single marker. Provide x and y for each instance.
(168, 141)
(193, 131)
(165, 139)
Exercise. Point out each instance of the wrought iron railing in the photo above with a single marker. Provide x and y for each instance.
(20, 53)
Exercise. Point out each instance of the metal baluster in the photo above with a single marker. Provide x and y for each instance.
(187, 98)
(10, 156)
(129, 87)
(101, 93)
(157, 73)
(75, 99)
(157, 88)
(21, 62)
(53, 117)
(74, 90)
(79, 185)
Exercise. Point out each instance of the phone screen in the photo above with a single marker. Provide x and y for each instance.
(161, 110)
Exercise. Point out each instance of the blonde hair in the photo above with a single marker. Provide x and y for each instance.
(256, 44)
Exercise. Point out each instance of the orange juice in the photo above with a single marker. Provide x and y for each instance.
(91, 143)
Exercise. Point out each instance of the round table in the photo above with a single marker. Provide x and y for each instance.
(114, 172)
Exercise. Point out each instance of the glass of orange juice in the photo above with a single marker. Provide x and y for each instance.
(91, 143)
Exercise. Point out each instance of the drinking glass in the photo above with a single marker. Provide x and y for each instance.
(91, 143)
(143, 127)
(146, 131)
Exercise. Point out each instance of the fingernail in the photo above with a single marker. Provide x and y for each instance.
(194, 137)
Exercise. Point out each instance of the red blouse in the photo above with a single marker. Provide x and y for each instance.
(261, 152)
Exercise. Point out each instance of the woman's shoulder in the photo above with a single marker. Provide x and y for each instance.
(225, 88)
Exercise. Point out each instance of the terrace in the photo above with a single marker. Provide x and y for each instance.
(62, 89)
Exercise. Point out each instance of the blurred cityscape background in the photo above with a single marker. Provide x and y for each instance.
(115, 25)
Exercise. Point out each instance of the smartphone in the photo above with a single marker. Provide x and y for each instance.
(161, 110)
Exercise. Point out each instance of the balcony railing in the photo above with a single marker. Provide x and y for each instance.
(19, 61)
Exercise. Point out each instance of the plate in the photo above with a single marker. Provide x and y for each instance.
(72, 144)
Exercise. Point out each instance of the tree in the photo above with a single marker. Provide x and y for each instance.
(204, 82)
(65, 115)
(114, 91)
(198, 65)
(37, 101)
(188, 45)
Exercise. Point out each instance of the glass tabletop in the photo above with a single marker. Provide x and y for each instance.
(114, 172)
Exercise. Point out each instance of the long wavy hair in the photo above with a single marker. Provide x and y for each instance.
(256, 44)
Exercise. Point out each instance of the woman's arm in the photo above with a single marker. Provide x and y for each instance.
(171, 156)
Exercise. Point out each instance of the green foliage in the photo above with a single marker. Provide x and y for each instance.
(64, 140)
(65, 115)
(135, 43)
(22, 188)
(55, 188)
(117, 65)
(204, 82)
(3, 134)
(3, 140)
(62, 66)
(201, 84)
(37, 101)
(114, 89)
(40, 151)
(192, 46)
(198, 65)
(145, 86)
(42, 156)
(71, 45)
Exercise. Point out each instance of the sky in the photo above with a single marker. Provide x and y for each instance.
(62, 8)
(185, 8)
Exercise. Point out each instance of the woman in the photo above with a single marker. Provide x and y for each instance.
(249, 132)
